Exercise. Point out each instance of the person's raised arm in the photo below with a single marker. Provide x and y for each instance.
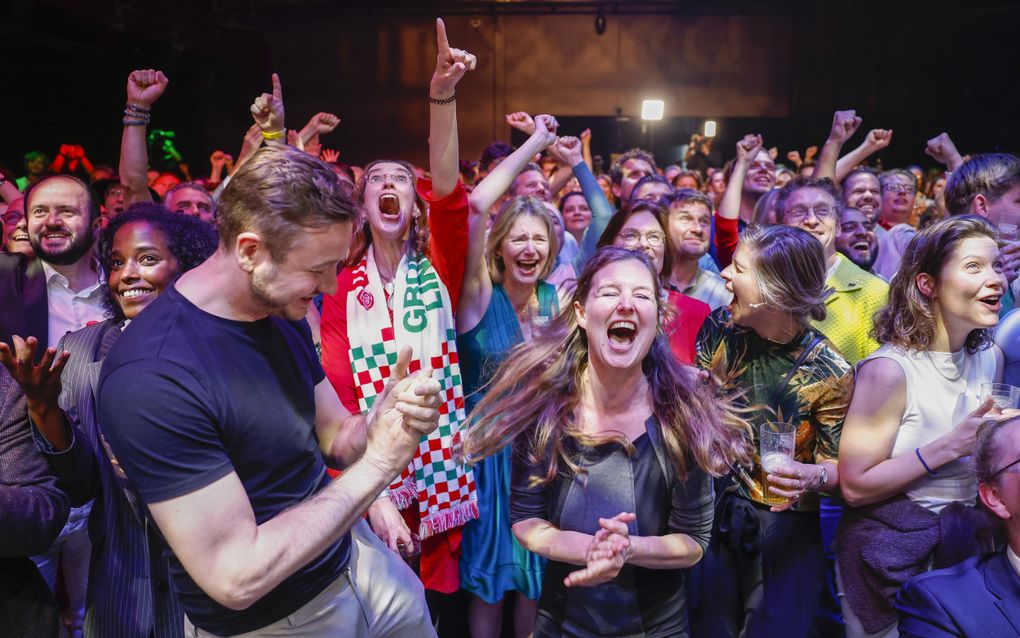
(601, 210)
(747, 150)
(144, 87)
(844, 125)
(444, 151)
(318, 124)
(268, 113)
(236, 561)
(876, 140)
(944, 151)
(476, 288)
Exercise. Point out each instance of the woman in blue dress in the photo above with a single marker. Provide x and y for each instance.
(503, 301)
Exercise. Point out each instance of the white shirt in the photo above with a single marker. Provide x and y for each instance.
(70, 310)
(710, 288)
(892, 244)
(1014, 560)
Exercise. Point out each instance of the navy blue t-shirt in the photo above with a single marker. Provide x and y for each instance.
(186, 397)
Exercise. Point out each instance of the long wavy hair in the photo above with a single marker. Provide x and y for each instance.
(537, 388)
(909, 319)
(417, 229)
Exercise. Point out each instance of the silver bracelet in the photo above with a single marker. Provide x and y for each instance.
(823, 478)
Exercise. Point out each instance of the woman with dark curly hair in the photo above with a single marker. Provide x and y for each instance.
(143, 251)
(912, 423)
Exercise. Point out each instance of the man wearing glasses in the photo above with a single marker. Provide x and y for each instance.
(899, 189)
(813, 205)
(980, 596)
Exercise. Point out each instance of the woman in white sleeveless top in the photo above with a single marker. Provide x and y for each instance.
(916, 409)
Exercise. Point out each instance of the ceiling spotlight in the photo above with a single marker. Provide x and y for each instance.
(600, 21)
(709, 128)
(652, 109)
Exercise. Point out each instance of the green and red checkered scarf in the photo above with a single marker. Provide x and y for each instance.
(423, 319)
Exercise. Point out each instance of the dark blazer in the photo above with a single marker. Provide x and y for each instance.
(33, 507)
(129, 592)
(978, 597)
(23, 305)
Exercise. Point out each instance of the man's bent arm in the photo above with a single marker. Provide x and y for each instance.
(213, 532)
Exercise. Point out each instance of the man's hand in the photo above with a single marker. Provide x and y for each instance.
(267, 110)
(406, 410)
(844, 125)
(451, 64)
(748, 147)
(1011, 260)
(329, 155)
(521, 121)
(323, 123)
(944, 151)
(878, 139)
(387, 523)
(41, 383)
(567, 150)
(145, 87)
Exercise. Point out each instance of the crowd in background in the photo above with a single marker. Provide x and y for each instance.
(544, 390)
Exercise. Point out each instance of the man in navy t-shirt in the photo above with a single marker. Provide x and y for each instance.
(216, 407)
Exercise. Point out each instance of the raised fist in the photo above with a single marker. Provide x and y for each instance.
(795, 158)
(878, 138)
(267, 110)
(323, 123)
(567, 149)
(810, 153)
(748, 147)
(521, 121)
(451, 64)
(545, 126)
(585, 136)
(218, 159)
(145, 86)
(944, 151)
(844, 125)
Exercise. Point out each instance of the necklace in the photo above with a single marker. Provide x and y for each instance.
(938, 368)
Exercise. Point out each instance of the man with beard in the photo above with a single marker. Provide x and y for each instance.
(899, 189)
(856, 238)
(42, 299)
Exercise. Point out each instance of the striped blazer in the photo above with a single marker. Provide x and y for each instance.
(129, 593)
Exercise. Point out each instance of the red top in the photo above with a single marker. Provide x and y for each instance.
(682, 329)
(448, 231)
(727, 232)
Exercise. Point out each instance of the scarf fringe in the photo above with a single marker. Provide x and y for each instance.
(406, 494)
(447, 519)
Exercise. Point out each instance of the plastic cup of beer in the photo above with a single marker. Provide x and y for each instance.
(777, 441)
(1004, 396)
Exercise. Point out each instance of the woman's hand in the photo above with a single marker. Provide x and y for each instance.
(607, 553)
(791, 480)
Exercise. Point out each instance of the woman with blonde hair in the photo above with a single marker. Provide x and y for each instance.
(614, 446)
(504, 301)
(912, 423)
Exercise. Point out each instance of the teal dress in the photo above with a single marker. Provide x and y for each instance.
(492, 561)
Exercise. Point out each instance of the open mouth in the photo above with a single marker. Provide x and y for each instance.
(622, 333)
(527, 267)
(132, 294)
(861, 246)
(992, 302)
(389, 205)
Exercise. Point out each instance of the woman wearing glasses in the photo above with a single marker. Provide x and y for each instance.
(399, 289)
(911, 427)
(15, 239)
(643, 226)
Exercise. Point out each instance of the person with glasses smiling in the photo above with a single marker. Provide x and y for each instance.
(15, 235)
(981, 596)
(899, 189)
(642, 227)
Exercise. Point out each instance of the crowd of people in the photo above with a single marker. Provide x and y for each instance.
(297, 397)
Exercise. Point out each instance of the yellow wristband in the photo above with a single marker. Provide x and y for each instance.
(275, 135)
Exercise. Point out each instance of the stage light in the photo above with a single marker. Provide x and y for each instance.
(652, 109)
(709, 128)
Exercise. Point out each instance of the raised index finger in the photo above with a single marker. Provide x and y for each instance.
(441, 41)
(277, 89)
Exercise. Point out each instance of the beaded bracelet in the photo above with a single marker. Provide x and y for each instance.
(447, 100)
(128, 122)
(138, 109)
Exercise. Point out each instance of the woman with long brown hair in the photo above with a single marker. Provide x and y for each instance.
(614, 446)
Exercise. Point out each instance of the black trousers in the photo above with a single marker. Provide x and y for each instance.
(761, 576)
